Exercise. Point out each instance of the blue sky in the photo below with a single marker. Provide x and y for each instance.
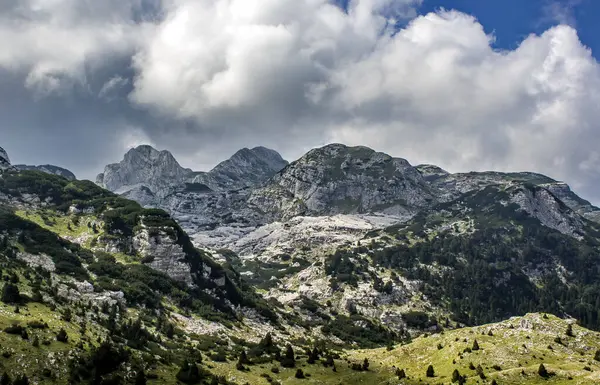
(511, 21)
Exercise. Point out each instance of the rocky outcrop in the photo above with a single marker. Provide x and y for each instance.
(161, 252)
(256, 187)
(143, 166)
(4, 160)
(247, 167)
(540, 203)
(339, 179)
(48, 169)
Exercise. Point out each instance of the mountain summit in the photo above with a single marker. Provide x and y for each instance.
(49, 169)
(142, 166)
(4, 160)
(341, 179)
(247, 167)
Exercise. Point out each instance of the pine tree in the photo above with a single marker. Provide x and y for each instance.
(542, 371)
(313, 356)
(430, 372)
(10, 293)
(455, 375)
(140, 378)
(299, 374)
(189, 373)
(67, 315)
(400, 373)
(289, 360)
(569, 331)
(243, 358)
(5, 379)
(597, 355)
(480, 372)
(475, 345)
(365, 365)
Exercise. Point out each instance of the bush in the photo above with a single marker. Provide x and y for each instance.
(430, 372)
(62, 336)
(299, 374)
(10, 293)
(14, 329)
(418, 319)
(400, 373)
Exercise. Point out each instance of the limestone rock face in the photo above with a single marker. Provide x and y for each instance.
(338, 179)
(48, 169)
(143, 166)
(161, 252)
(229, 205)
(540, 203)
(247, 167)
(4, 160)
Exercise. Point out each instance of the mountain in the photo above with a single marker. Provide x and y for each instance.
(142, 166)
(247, 167)
(337, 179)
(346, 266)
(50, 169)
(356, 230)
(4, 160)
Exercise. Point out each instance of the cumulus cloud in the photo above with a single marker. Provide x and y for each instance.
(213, 75)
(57, 42)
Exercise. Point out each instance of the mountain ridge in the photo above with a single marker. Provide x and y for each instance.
(48, 168)
(414, 254)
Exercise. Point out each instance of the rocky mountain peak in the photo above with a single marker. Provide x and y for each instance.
(48, 169)
(341, 179)
(431, 172)
(247, 167)
(143, 165)
(4, 160)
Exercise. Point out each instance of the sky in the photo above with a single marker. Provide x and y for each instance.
(509, 85)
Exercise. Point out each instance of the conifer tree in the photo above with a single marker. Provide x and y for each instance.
(430, 372)
(289, 360)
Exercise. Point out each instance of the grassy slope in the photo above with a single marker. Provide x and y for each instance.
(509, 348)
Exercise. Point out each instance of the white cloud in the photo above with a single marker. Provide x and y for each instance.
(57, 41)
(112, 87)
(296, 73)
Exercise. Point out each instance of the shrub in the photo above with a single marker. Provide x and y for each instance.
(400, 373)
(299, 374)
(62, 336)
(430, 372)
(569, 331)
(10, 293)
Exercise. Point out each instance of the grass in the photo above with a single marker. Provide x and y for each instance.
(513, 350)
(65, 226)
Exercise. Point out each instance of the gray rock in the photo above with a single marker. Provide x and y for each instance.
(4, 160)
(49, 169)
(247, 167)
(164, 254)
(143, 166)
(337, 179)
